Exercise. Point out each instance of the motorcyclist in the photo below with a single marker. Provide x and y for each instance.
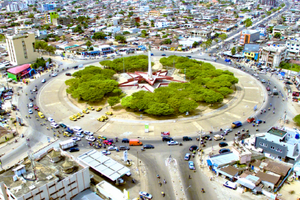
(163, 194)
(165, 181)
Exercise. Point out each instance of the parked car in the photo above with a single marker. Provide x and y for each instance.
(163, 54)
(191, 165)
(105, 152)
(230, 185)
(224, 151)
(54, 74)
(268, 88)
(73, 149)
(112, 148)
(228, 130)
(124, 148)
(79, 135)
(30, 105)
(193, 147)
(259, 121)
(125, 140)
(145, 195)
(50, 119)
(68, 74)
(90, 138)
(250, 119)
(223, 144)
(187, 156)
(236, 124)
(88, 133)
(54, 125)
(167, 139)
(186, 138)
(148, 146)
(172, 143)
(76, 138)
(63, 125)
(35, 107)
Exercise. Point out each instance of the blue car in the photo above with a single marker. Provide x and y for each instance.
(259, 121)
(191, 165)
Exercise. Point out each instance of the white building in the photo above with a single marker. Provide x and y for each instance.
(21, 48)
(56, 176)
(29, 2)
(273, 55)
(162, 24)
(293, 47)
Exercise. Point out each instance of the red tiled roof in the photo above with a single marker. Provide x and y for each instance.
(18, 69)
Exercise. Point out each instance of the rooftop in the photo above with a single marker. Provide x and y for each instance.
(277, 132)
(45, 172)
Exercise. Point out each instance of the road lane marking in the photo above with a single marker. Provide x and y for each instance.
(197, 125)
(52, 104)
(254, 88)
(249, 101)
(233, 115)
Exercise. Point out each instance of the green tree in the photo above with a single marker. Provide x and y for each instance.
(88, 43)
(248, 22)
(137, 24)
(240, 48)
(233, 50)
(126, 33)
(277, 35)
(167, 41)
(113, 101)
(269, 13)
(58, 9)
(99, 36)
(130, 13)
(296, 119)
(78, 29)
(159, 109)
(195, 44)
(270, 29)
(120, 38)
(145, 24)
(126, 101)
(34, 9)
(73, 11)
(59, 27)
(223, 36)
(187, 106)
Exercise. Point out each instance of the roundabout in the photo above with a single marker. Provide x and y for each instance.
(53, 102)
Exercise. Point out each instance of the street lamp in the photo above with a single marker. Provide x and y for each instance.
(187, 188)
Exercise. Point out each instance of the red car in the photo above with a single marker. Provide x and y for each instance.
(250, 119)
(268, 88)
(36, 108)
(106, 142)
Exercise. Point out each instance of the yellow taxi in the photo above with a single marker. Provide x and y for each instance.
(102, 118)
(80, 114)
(99, 109)
(109, 113)
(91, 108)
(72, 118)
(85, 111)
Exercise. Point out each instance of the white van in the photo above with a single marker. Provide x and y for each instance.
(230, 184)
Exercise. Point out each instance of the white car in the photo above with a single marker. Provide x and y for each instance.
(54, 74)
(30, 111)
(228, 130)
(44, 81)
(112, 148)
(105, 152)
(77, 129)
(90, 138)
(172, 143)
(30, 105)
(88, 133)
(79, 135)
(54, 125)
(50, 119)
(76, 138)
(145, 195)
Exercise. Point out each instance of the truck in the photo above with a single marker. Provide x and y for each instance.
(67, 144)
(135, 142)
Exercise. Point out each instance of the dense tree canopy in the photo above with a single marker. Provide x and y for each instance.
(208, 84)
(91, 84)
(131, 64)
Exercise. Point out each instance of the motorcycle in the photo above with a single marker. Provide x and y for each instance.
(158, 176)
(203, 191)
(163, 194)
(142, 149)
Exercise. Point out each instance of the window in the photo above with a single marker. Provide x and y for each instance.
(52, 185)
(272, 147)
(63, 196)
(71, 183)
(39, 192)
(29, 198)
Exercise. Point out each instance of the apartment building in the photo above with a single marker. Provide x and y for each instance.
(293, 47)
(53, 175)
(249, 36)
(21, 48)
(273, 55)
(280, 29)
(280, 143)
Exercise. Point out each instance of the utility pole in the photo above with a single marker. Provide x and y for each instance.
(123, 65)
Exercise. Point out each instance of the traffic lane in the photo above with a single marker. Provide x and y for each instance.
(155, 164)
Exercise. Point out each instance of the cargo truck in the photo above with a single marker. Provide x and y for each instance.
(67, 144)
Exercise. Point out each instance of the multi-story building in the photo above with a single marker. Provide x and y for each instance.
(273, 55)
(280, 143)
(262, 30)
(268, 2)
(53, 175)
(51, 17)
(251, 51)
(249, 36)
(162, 24)
(21, 48)
(280, 29)
(293, 47)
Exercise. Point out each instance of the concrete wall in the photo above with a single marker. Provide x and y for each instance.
(271, 147)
